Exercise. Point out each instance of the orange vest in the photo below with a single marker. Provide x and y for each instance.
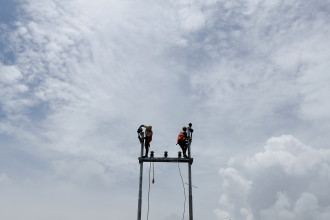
(181, 136)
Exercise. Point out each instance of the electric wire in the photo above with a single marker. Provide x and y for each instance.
(153, 180)
(184, 191)
(153, 176)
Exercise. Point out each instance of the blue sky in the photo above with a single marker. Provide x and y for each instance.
(78, 78)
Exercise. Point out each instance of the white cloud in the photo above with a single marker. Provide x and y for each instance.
(14, 95)
(87, 73)
(262, 71)
(9, 74)
(280, 209)
(286, 181)
(306, 207)
(64, 202)
(192, 18)
(74, 66)
(4, 180)
(82, 173)
(77, 56)
(222, 214)
(95, 73)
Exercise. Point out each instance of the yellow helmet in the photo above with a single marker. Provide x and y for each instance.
(148, 128)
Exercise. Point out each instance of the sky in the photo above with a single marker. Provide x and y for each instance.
(77, 78)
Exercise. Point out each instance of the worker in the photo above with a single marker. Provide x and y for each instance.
(147, 138)
(182, 141)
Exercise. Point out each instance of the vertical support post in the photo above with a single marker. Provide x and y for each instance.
(190, 183)
(139, 212)
(190, 194)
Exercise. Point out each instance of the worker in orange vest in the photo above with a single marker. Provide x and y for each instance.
(147, 138)
(182, 141)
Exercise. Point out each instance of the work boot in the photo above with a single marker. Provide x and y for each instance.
(185, 156)
(144, 156)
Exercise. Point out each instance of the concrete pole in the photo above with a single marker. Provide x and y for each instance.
(190, 194)
(190, 183)
(139, 212)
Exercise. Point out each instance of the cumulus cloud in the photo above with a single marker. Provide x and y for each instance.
(289, 180)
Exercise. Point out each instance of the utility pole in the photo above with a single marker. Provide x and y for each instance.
(190, 183)
(141, 136)
(166, 159)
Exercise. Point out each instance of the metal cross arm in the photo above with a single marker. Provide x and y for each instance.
(166, 159)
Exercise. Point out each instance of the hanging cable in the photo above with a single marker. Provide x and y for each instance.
(184, 191)
(153, 172)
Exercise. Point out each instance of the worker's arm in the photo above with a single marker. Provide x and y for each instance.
(139, 130)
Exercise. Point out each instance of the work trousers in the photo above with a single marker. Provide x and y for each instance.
(184, 147)
(146, 146)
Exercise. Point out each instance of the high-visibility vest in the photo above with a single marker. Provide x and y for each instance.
(181, 136)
